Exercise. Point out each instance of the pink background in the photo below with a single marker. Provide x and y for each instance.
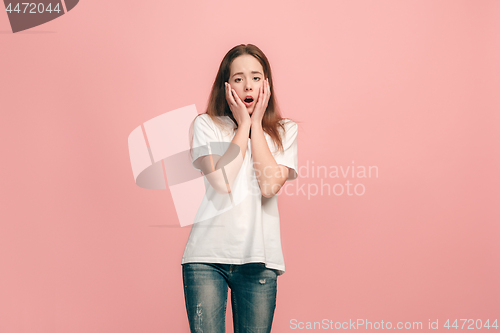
(408, 86)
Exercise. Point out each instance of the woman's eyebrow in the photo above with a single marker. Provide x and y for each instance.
(253, 72)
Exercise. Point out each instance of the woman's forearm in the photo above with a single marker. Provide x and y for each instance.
(221, 171)
(269, 174)
(241, 141)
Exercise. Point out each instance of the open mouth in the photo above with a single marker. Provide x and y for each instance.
(248, 101)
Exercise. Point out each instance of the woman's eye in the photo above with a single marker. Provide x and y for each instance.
(258, 78)
(237, 80)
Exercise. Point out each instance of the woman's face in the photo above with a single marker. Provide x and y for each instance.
(246, 77)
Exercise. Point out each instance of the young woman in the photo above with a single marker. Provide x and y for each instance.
(246, 151)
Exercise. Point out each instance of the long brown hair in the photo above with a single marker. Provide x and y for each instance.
(217, 103)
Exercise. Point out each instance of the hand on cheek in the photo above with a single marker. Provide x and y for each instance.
(261, 103)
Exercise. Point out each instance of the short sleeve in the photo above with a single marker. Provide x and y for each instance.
(206, 139)
(289, 157)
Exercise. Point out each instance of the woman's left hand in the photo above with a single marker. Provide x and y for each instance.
(262, 101)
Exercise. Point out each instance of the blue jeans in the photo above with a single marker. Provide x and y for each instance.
(253, 296)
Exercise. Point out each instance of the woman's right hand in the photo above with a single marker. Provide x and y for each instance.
(239, 110)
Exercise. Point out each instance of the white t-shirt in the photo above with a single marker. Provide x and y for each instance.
(246, 227)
